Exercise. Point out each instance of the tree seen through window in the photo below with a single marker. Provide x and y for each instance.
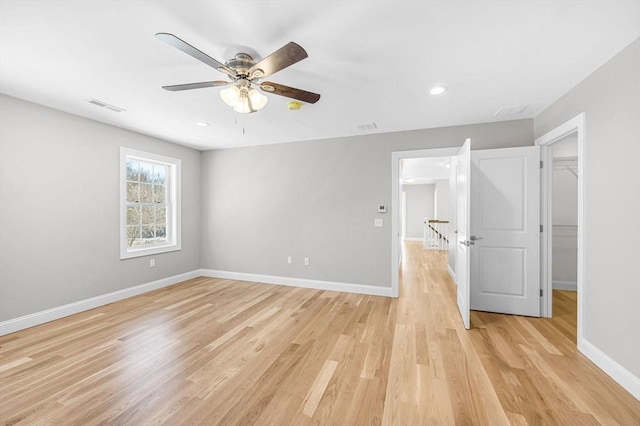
(146, 203)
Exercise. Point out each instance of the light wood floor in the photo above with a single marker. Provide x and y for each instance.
(211, 351)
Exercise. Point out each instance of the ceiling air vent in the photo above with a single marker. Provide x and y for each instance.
(105, 105)
(506, 111)
(367, 127)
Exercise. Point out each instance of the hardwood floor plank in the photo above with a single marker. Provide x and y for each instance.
(318, 388)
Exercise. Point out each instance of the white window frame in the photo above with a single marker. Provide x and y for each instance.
(173, 201)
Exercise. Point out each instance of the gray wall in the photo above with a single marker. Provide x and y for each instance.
(420, 205)
(318, 199)
(442, 199)
(59, 212)
(610, 99)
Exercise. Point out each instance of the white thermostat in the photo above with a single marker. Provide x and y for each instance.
(382, 209)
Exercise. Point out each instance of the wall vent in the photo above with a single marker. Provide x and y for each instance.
(105, 105)
(367, 127)
(504, 111)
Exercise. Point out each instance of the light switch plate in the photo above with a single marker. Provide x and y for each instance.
(378, 223)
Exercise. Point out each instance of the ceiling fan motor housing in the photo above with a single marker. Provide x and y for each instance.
(241, 64)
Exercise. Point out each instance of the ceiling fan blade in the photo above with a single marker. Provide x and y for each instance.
(287, 55)
(290, 92)
(189, 86)
(180, 44)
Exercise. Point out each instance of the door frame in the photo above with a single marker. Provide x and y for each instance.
(396, 156)
(574, 125)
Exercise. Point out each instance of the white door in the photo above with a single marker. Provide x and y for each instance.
(505, 228)
(463, 193)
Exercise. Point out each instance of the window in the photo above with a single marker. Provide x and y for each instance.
(149, 203)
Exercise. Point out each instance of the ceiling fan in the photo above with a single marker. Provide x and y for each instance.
(244, 75)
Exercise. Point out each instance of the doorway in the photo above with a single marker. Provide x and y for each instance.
(562, 217)
(398, 222)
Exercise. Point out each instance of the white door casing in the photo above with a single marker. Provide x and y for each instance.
(463, 218)
(505, 217)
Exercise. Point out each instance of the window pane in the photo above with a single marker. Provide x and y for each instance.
(147, 215)
(158, 193)
(133, 193)
(146, 172)
(159, 174)
(161, 215)
(132, 170)
(161, 234)
(147, 235)
(133, 215)
(146, 193)
(133, 235)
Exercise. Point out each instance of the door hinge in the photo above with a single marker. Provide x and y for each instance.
(541, 228)
(541, 164)
(541, 292)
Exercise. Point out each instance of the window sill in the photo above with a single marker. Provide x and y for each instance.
(129, 254)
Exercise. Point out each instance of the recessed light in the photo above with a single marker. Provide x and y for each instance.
(202, 123)
(438, 90)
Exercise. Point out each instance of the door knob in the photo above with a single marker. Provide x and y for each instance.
(474, 238)
(467, 243)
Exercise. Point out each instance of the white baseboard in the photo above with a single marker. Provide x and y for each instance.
(412, 239)
(452, 274)
(300, 282)
(565, 285)
(26, 321)
(617, 372)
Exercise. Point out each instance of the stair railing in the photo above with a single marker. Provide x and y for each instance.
(435, 234)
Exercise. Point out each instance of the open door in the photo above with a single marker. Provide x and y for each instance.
(463, 218)
(505, 224)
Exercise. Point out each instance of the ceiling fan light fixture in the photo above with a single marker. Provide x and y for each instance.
(243, 104)
(230, 95)
(258, 100)
(243, 99)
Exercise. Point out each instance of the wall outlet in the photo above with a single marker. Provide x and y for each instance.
(378, 223)
(152, 263)
(306, 261)
(289, 260)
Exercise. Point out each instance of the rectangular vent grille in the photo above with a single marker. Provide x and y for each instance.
(367, 127)
(504, 111)
(105, 105)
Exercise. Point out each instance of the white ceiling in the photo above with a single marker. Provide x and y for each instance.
(425, 170)
(370, 61)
